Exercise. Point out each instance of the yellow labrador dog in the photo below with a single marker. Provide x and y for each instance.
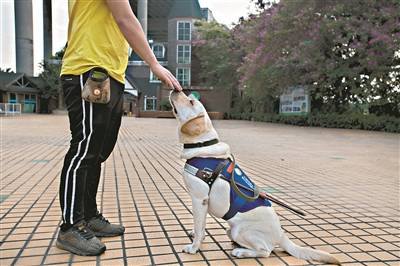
(256, 228)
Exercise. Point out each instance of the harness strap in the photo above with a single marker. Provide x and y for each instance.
(233, 209)
(207, 175)
(218, 171)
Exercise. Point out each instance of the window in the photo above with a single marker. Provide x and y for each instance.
(153, 78)
(183, 54)
(159, 50)
(183, 76)
(30, 98)
(150, 103)
(29, 103)
(184, 31)
(12, 98)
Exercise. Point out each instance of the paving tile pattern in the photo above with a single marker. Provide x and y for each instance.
(346, 181)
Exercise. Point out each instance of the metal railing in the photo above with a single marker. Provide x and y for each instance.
(10, 109)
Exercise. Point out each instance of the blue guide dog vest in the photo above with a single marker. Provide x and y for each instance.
(237, 203)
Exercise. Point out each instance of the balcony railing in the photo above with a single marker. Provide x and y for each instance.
(142, 63)
(130, 63)
(10, 108)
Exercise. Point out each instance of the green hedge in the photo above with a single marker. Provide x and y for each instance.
(352, 120)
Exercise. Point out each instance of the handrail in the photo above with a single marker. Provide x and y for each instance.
(10, 108)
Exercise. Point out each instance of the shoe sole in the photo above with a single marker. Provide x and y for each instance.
(101, 234)
(76, 251)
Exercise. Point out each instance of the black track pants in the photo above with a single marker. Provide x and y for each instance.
(94, 130)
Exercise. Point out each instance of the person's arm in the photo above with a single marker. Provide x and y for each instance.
(133, 33)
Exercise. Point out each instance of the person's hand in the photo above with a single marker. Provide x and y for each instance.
(166, 76)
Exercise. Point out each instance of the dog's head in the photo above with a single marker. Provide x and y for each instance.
(194, 123)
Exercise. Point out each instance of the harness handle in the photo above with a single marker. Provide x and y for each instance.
(256, 190)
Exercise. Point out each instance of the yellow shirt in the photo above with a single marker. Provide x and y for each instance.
(94, 40)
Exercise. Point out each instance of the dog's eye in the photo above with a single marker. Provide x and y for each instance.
(191, 102)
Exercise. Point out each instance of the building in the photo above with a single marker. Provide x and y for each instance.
(169, 30)
(19, 93)
(207, 14)
(170, 25)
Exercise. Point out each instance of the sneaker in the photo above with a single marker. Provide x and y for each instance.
(100, 226)
(81, 241)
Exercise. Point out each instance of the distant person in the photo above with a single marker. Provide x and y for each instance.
(98, 36)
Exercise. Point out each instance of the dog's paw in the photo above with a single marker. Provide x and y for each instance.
(237, 253)
(242, 253)
(190, 249)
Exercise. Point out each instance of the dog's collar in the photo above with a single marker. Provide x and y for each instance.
(200, 144)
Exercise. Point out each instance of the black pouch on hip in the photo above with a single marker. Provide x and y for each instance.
(97, 86)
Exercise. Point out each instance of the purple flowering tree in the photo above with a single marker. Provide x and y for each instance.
(215, 57)
(346, 52)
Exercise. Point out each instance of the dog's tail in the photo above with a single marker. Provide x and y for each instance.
(306, 253)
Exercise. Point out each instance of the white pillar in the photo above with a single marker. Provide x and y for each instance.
(24, 36)
(142, 14)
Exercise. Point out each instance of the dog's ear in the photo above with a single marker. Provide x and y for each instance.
(194, 127)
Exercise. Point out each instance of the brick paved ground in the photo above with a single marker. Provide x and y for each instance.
(347, 181)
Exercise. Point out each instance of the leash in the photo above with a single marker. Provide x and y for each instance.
(209, 176)
(257, 192)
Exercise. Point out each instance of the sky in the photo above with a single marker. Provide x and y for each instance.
(224, 11)
(7, 37)
(228, 11)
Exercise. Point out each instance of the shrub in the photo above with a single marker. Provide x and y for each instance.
(328, 120)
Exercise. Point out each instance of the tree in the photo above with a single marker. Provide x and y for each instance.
(344, 51)
(263, 4)
(51, 89)
(216, 55)
(51, 77)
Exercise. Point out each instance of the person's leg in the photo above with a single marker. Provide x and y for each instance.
(88, 123)
(114, 126)
(95, 220)
(92, 184)
(108, 143)
(79, 113)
